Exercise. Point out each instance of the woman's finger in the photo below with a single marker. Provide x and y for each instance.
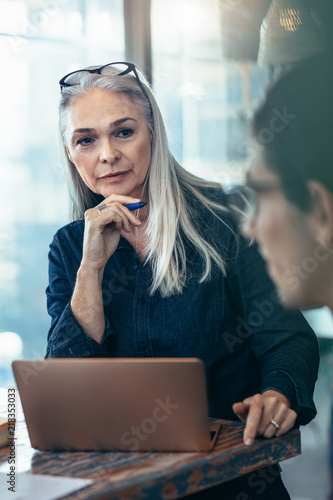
(287, 423)
(273, 423)
(125, 200)
(280, 424)
(253, 419)
(241, 410)
(273, 409)
(115, 212)
(121, 216)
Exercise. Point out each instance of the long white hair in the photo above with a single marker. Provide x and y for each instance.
(168, 185)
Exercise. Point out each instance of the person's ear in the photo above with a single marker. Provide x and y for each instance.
(321, 213)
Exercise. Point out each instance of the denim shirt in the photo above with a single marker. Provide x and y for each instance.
(248, 342)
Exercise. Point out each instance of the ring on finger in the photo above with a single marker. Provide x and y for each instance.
(276, 425)
(102, 207)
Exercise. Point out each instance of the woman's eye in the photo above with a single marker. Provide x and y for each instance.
(125, 132)
(85, 141)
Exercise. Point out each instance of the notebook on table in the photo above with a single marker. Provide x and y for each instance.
(136, 404)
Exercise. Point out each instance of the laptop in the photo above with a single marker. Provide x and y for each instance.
(136, 404)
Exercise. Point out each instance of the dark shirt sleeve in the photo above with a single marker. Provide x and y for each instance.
(66, 338)
(285, 347)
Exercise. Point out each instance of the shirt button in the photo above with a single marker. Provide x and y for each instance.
(142, 301)
(143, 346)
(135, 267)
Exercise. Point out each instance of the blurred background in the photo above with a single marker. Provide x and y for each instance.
(209, 62)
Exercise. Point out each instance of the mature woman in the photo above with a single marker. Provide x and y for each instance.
(291, 178)
(173, 278)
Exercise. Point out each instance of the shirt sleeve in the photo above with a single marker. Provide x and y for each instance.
(285, 347)
(66, 337)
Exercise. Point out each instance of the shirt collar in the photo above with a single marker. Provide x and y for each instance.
(123, 243)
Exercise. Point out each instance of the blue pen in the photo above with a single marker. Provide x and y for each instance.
(134, 206)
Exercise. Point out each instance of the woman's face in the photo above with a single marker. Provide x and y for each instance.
(108, 141)
(295, 260)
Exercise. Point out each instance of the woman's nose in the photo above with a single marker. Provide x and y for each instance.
(108, 153)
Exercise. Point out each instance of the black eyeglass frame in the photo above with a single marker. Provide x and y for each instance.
(262, 186)
(251, 189)
(130, 68)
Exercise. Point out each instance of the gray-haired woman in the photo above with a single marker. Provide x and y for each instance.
(173, 278)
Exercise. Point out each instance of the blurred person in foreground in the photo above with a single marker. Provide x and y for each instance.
(173, 278)
(290, 181)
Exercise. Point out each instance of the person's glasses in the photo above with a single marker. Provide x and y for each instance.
(247, 207)
(124, 68)
(251, 190)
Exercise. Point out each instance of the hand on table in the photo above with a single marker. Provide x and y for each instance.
(259, 410)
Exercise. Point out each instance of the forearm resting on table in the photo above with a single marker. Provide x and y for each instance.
(87, 303)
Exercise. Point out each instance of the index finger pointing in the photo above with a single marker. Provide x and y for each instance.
(252, 422)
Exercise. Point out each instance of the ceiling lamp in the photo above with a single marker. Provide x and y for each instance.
(289, 32)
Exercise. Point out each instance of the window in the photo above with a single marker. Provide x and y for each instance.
(40, 41)
(205, 97)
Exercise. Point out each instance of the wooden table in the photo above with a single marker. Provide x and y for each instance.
(119, 475)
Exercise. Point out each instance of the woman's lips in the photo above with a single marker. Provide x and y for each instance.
(114, 177)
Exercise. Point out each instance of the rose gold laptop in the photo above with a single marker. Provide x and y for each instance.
(137, 404)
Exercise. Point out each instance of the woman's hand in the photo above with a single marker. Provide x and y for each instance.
(259, 410)
(103, 225)
(102, 230)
